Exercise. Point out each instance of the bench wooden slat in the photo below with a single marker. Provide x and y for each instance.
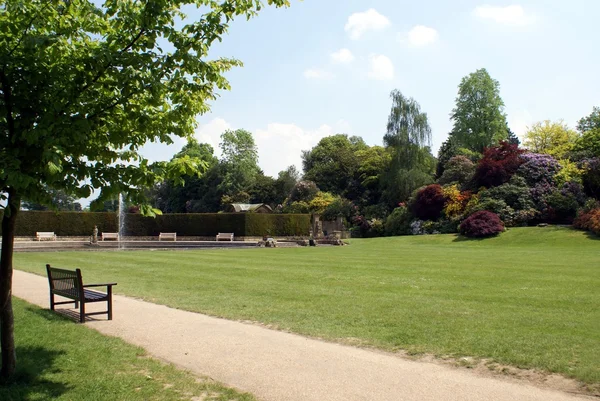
(69, 284)
(45, 234)
(172, 236)
(227, 236)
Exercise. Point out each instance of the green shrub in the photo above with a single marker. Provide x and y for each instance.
(398, 223)
(206, 224)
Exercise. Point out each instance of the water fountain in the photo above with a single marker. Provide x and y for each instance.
(121, 220)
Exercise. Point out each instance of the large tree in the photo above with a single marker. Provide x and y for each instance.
(332, 163)
(549, 137)
(408, 137)
(479, 119)
(83, 86)
(239, 164)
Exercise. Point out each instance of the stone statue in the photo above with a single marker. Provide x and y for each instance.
(95, 235)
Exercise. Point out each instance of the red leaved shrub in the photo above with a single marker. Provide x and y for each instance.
(498, 165)
(482, 224)
(429, 202)
(589, 221)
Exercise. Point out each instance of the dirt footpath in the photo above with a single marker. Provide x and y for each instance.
(277, 366)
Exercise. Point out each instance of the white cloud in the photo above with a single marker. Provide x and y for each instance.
(370, 20)
(509, 15)
(281, 145)
(342, 56)
(420, 36)
(381, 67)
(211, 133)
(317, 73)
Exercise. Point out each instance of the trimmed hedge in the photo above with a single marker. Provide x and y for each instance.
(205, 224)
(63, 223)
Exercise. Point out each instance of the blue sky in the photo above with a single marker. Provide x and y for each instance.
(323, 67)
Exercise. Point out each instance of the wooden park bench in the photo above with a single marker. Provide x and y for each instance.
(225, 236)
(114, 236)
(172, 236)
(68, 284)
(45, 235)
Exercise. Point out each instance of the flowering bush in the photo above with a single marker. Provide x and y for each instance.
(429, 202)
(456, 201)
(498, 165)
(303, 191)
(482, 224)
(416, 228)
(459, 169)
(320, 202)
(588, 220)
(538, 168)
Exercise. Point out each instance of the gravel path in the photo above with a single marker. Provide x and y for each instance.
(277, 366)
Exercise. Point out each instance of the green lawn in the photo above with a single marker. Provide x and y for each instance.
(529, 298)
(60, 360)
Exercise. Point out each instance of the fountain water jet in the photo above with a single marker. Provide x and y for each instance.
(121, 220)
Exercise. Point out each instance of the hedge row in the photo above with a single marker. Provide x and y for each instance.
(241, 224)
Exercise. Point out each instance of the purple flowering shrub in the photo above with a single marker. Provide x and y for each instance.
(538, 168)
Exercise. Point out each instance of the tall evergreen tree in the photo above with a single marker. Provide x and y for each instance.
(479, 119)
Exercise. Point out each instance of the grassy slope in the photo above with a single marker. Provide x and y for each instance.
(528, 298)
(60, 360)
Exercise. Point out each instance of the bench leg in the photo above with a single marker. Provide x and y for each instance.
(109, 302)
(51, 301)
(82, 312)
(76, 304)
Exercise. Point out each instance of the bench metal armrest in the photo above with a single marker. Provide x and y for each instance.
(99, 285)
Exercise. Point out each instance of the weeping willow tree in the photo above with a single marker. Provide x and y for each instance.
(408, 138)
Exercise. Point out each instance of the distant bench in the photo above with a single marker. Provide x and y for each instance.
(225, 236)
(172, 236)
(114, 236)
(45, 235)
(68, 284)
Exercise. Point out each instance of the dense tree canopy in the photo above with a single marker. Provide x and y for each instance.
(553, 138)
(408, 137)
(83, 86)
(479, 119)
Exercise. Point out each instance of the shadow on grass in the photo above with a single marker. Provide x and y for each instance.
(29, 382)
(462, 238)
(61, 314)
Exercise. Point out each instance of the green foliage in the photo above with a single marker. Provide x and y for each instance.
(303, 191)
(408, 137)
(589, 143)
(240, 163)
(552, 138)
(64, 223)
(479, 119)
(320, 202)
(340, 207)
(398, 222)
(59, 201)
(86, 86)
(591, 122)
(332, 164)
(459, 170)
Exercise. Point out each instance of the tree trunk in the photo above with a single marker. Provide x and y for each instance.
(7, 338)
